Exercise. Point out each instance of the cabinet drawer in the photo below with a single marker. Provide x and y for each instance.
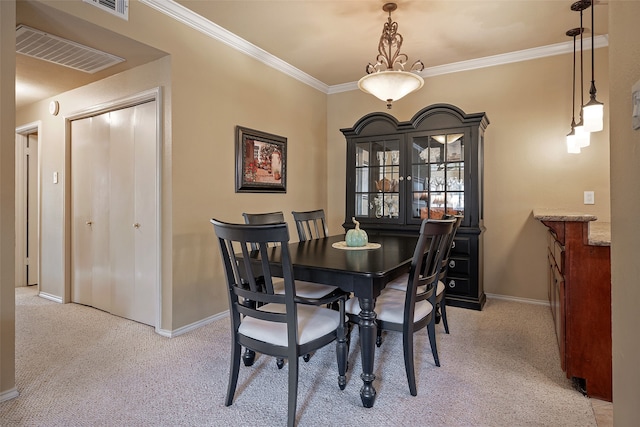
(457, 286)
(461, 246)
(556, 251)
(558, 255)
(459, 266)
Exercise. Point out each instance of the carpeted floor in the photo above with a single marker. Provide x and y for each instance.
(78, 366)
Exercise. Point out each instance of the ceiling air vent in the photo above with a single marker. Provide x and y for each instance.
(37, 44)
(117, 7)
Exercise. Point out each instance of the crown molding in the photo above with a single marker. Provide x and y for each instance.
(507, 58)
(492, 61)
(213, 30)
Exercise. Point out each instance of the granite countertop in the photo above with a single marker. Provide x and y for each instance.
(599, 231)
(549, 214)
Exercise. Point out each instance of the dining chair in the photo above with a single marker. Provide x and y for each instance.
(303, 289)
(310, 224)
(412, 310)
(285, 325)
(441, 306)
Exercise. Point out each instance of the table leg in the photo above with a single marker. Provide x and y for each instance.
(368, 332)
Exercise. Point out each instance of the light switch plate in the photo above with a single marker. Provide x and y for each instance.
(589, 198)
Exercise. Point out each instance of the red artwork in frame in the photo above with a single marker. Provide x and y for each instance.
(261, 164)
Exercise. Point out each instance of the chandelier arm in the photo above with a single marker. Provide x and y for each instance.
(389, 47)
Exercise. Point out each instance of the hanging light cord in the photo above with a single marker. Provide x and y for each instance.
(573, 108)
(592, 91)
(581, 69)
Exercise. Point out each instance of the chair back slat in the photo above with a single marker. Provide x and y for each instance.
(310, 224)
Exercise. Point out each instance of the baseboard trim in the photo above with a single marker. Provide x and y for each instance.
(50, 297)
(518, 299)
(192, 326)
(9, 394)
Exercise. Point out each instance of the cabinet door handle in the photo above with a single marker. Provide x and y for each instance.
(401, 178)
(89, 223)
(452, 264)
(136, 225)
(409, 178)
(453, 244)
(452, 283)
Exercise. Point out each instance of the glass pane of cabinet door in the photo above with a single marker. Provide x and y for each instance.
(377, 179)
(437, 175)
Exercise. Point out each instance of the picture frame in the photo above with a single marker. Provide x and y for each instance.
(261, 162)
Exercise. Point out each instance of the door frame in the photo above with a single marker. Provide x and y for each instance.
(150, 95)
(22, 133)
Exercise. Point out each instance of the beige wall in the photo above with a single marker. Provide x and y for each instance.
(7, 190)
(55, 152)
(209, 95)
(625, 196)
(526, 162)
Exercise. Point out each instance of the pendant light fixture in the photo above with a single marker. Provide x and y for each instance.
(593, 110)
(583, 138)
(387, 79)
(572, 143)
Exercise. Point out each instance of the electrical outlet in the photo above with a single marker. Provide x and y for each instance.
(589, 198)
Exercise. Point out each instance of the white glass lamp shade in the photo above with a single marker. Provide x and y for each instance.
(390, 86)
(593, 116)
(448, 139)
(583, 138)
(572, 144)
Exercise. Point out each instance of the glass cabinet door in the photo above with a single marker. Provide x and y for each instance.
(377, 179)
(437, 176)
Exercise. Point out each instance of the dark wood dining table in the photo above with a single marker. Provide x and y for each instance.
(365, 272)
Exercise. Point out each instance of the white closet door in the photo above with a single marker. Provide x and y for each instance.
(115, 202)
(122, 212)
(81, 243)
(133, 213)
(90, 204)
(146, 213)
(100, 210)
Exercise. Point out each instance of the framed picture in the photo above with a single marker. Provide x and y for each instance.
(261, 162)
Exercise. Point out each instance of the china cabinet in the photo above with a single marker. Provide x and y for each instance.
(399, 173)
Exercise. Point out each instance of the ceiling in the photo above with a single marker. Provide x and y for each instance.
(330, 40)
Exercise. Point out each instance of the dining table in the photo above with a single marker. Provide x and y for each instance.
(363, 271)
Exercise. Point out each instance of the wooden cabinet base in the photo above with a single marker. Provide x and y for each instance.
(580, 297)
